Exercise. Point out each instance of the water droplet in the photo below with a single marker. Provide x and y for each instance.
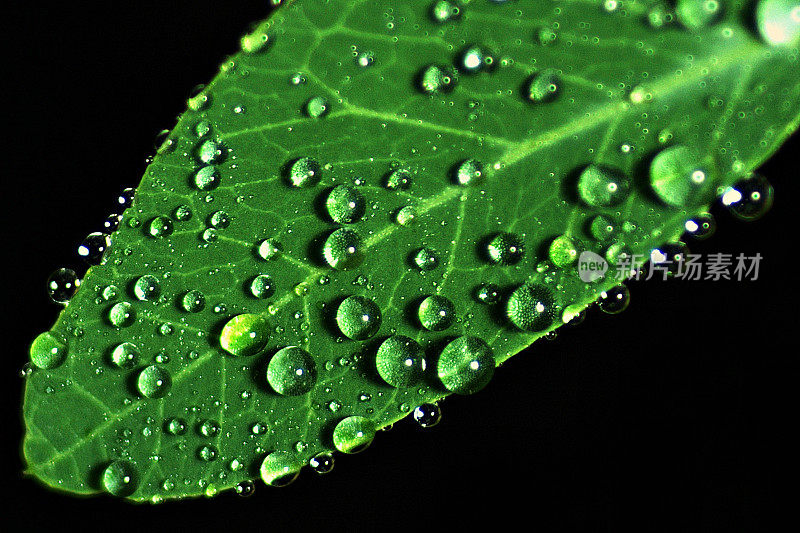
(280, 468)
(531, 308)
(466, 365)
(47, 351)
(119, 479)
(292, 371)
(160, 226)
(544, 86)
(125, 355)
(342, 249)
(345, 204)
(269, 249)
(474, 59)
(488, 293)
(317, 107)
(93, 247)
(62, 284)
(245, 489)
(262, 286)
(209, 428)
(426, 259)
(183, 213)
(778, 21)
(436, 313)
(677, 178)
(304, 172)
(400, 361)
(255, 42)
(399, 179)
(602, 227)
(353, 434)
(210, 152)
(193, 301)
(153, 382)
(601, 187)
(146, 288)
(701, 226)
(206, 179)
(358, 318)
(469, 171)
(176, 426)
(428, 415)
(125, 198)
(506, 249)
(562, 251)
(437, 79)
(321, 463)
(697, 14)
(442, 11)
(405, 215)
(614, 300)
(207, 453)
(245, 335)
(122, 315)
(750, 199)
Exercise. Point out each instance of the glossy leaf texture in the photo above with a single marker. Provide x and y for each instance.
(375, 203)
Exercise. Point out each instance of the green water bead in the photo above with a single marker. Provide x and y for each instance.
(160, 226)
(292, 371)
(119, 478)
(505, 249)
(353, 434)
(262, 286)
(426, 259)
(146, 288)
(436, 313)
(317, 107)
(122, 315)
(47, 351)
(244, 335)
(205, 179)
(400, 361)
(778, 21)
(466, 365)
(544, 87)
(345, 204)
(125, 355)
(697, 14)
(342, 249)
(601, 187)
(562, 251)
(677, 177)
(602, 227)
(304, 172)
(193, 301)
(469, 172)
(153, 382)
(531, 308)
(278, 469)
(358, 318)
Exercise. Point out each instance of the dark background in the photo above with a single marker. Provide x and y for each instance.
(674, 416)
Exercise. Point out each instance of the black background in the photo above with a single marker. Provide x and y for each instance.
(674, 416)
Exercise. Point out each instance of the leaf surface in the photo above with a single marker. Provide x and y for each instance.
(375, 203)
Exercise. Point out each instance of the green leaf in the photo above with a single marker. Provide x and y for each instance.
(376, 203)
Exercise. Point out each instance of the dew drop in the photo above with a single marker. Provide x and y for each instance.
(207, 453)
(176, 426)
(602, 228)
(119, 479)
(428, 415)
(345, 204)
(317, 107)
(437, 79)
(443, 10)
(47, 351)
(255, 42)
(304, 172)
(125, 355)
(121, 315)
(614, 300)
(147, 288)
(62, 284)
(531, 308)
(505, 249)
(750, 199)
(206, 179)
(399, 179)
(321, 463)
(353, 434)
(93, 247)
(262, 286)
(544, 86)
(358, 318)
(697, 14)
(269, 249)
(562, 251)
(160, 226)
(193, 301)
(436, 313)
(701, 226)
(469, 172)
(400, 361)
(676, 177)
(245, 489)
(601, 187)
(292, 371)
(280, 468)
(406, 215)
(426, 259)
(778, 21)
(466, 365)
(153, 382)
(342, 249)
(210, 152)
(245, 334)
(487, 293)
(209, 428)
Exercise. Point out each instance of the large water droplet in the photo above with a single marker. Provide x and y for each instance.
(317, 107)
(426, 259)
(443, 10)
(153, 382)
(544, 86)
(119, 478)
(62, 284)
(562, 251)
(488, 293)
(207, 178)
(531, 308)
(466, 365)
(358, 318)
(436, 313)
(506, 249)
(353, 434)
(697, 14)
(601, 187)
(47, 351)
(262, 286)
(343, 249)
(677, 178)
(400, 361)
(245, 334)
(210, 152)
(614, 300)
(292, 371)
(750, 199)
(304, 172)
(122, 315)
(399, 179)
(146, 288)
(321, 463)
(345, 204)
(160, 226)
(125, 355)
(778, 21)
(469, 171)
(701, 226)
(193, 301)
